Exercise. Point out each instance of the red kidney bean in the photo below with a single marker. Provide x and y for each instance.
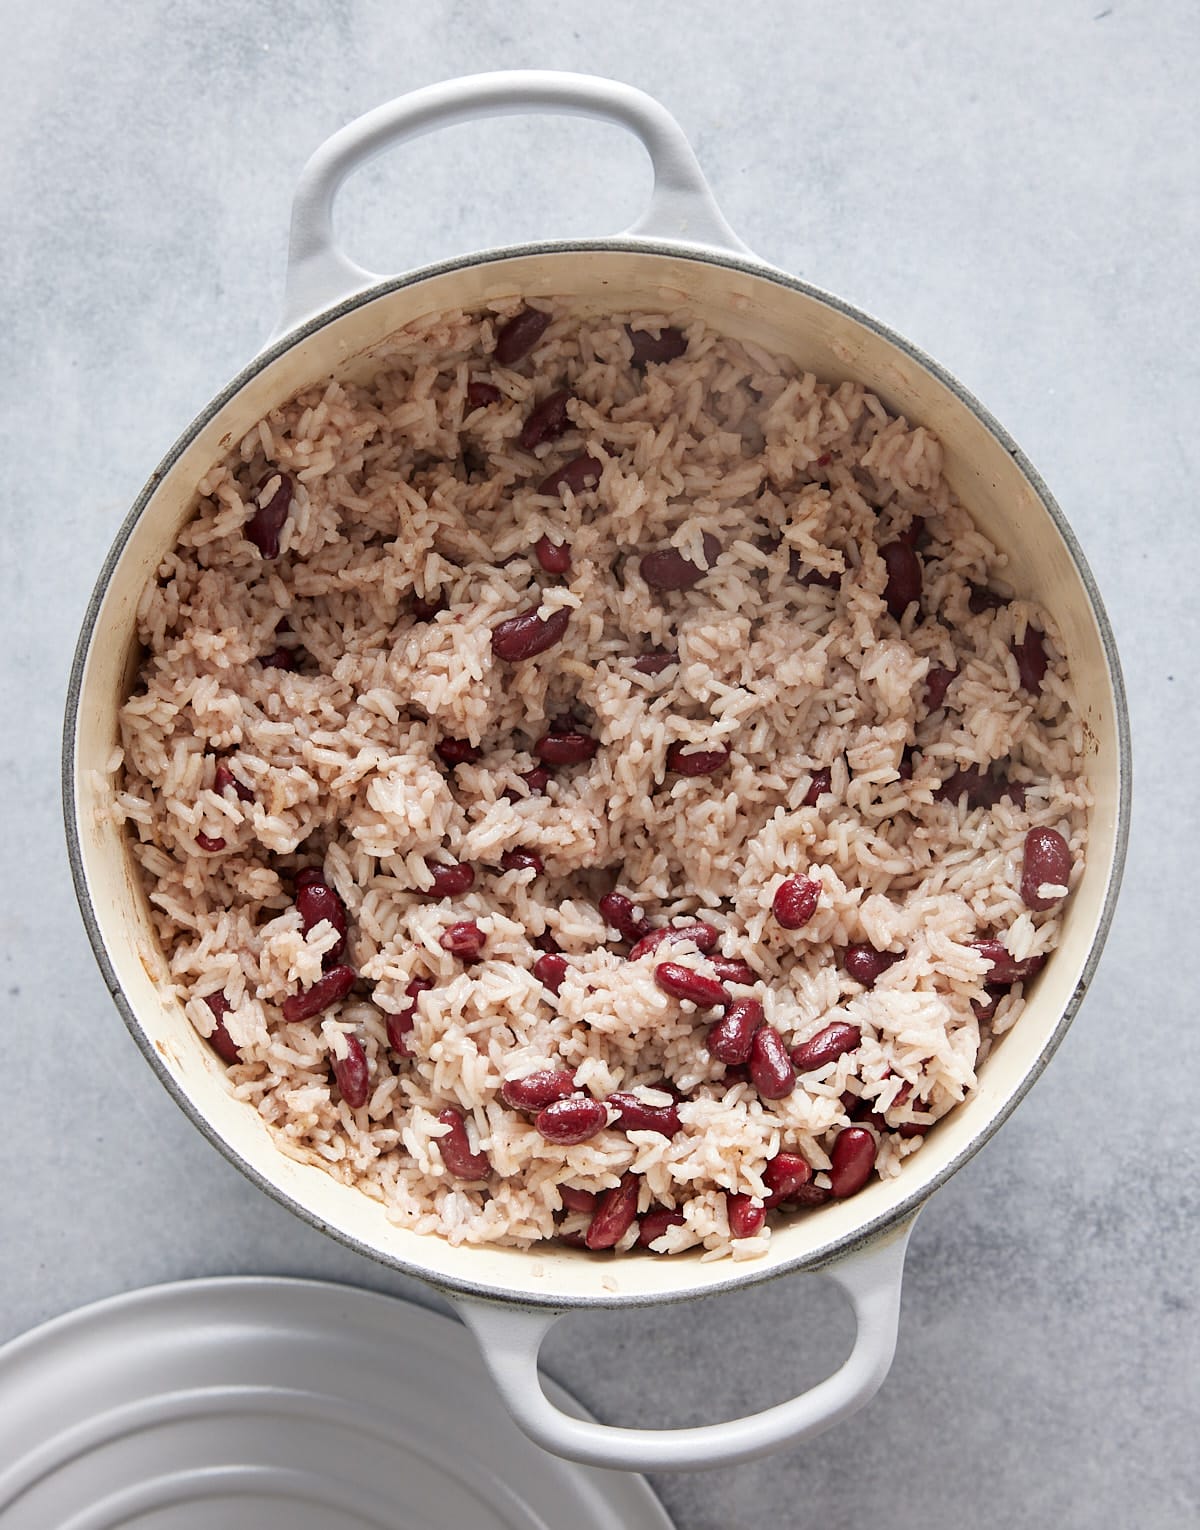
(309, 877)
(670, 344)
(480, 394)
(814, 577)
(825, 1047)
(729, 1038)
(416, 987)
(222, 1044)
(637, 1116)
(464, 940)
(399, 1025)
(265, 525)
(937, 683)
(914, 532)
(906, 762)
(455, 1148)
(456, 751)
(352, 1074)
(967, 781)
(982, 599)
(525, 635)
(219, 1038)
(985, 1008)
(668, 569)
(577, 475)
(902, 1094)
(224, 778)
(745, 1218)
(771, 1070)
(316, 901)
(283, 658)
(980, 788)
(655, 662)
(614, 1215)
(566, 1122)
(1047, 859)
(519, 335)
(1013, 790)
(623, 915)
(809, 1195)
(566, 746)
(821, 782)
(861, 1111)
(572, 1239)
(537, 1090)
(903, 577)
(653, 1224)
(548, 420)
(730, 970)
(682, 983)
(550, 970)
(328, 989)
(866, 965)
(578, 1200)
(696, 762)
(853, 1159)
(426, 610)
(449, 880)
(522, 860)
(911, 1128)
(536, 780)
(210, 842)
(1005, 968)
(554, 557)
(702, 935)
(785, 1174)
(1030, 654)
(795, 902)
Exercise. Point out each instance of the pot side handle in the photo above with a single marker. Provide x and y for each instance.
(510, 1338)
(682, 209)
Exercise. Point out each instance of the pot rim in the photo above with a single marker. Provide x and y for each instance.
(751, 1273)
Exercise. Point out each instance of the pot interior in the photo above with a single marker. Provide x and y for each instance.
(819, 335)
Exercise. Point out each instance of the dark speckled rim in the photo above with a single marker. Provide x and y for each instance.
(908, 1205)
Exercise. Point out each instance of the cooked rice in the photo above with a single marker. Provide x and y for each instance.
(402, 491)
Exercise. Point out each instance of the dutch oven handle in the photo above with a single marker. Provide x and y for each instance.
(510, 1338)
(682, 209)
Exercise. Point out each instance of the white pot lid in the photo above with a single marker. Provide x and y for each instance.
(264, 1404)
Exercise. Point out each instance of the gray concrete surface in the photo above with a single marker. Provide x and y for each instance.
(1015, 188)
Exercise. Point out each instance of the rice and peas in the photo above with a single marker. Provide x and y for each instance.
(593, 781)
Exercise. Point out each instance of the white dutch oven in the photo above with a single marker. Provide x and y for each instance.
(680, 250)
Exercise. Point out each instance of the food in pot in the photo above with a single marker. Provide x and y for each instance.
(593, 781)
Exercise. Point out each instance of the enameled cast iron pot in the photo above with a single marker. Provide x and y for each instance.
(680, 251)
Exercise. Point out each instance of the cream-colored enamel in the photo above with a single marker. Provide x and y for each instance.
(817, 336)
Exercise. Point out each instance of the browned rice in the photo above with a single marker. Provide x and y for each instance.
(401, 490)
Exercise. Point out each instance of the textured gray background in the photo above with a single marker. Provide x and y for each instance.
(1014, 187)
